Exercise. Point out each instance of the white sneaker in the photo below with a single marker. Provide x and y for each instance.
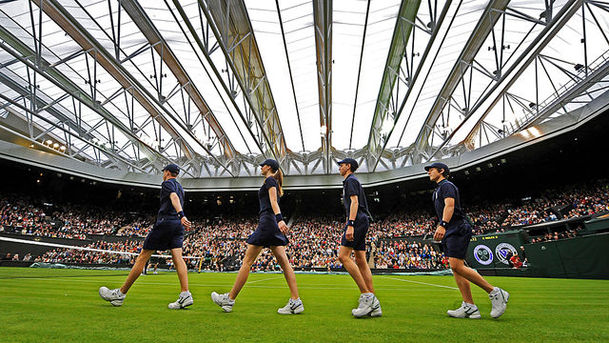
(114, 296)
(465, 311)
(499, 299)
(292, 307)
(155, 273)
(376, 308)
(223, 301)
(183, 301)
(365, 306)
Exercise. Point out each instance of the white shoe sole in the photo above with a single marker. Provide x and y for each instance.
(473, 316)
(225, 308)
(361, 314)
(506, 301)
(115, 303)
(296, 311)
(182, 306)
(376, 313)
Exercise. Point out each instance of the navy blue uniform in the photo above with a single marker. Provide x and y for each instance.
(352, 186)
(458, 230)
(167, 232)
(267, 233)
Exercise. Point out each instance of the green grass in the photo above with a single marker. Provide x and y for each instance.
(44, 305)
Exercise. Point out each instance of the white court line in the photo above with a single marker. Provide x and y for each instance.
(101, 282)
(270, 278)
(419, 282)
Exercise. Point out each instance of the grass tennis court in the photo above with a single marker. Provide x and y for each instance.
(50, 305)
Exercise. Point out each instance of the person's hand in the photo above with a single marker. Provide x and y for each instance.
(186, 223)
(349, 233)
(440, 232)
(283, 227)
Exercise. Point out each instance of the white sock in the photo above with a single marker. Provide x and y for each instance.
(495, 290)
(120, 294)
(185, 293)
(470, 305)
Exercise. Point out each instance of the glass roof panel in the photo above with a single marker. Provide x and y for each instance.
(297, 17)
(564, 64)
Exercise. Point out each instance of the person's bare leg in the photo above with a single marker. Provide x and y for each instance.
(459, 267)
(251, 254)
(136, 270)
(176, 256)
(288, 271)
(464, 288)
(364, 269)
(344, 256)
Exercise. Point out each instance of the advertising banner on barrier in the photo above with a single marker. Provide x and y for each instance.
(491, 251)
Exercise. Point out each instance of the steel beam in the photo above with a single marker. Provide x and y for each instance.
(66, 22)
(485, 25)
(322, 24)
(232, 28)
(143, 22)
(18, 50)
(404, 26)
(509, 77)
(80, 35)
(578, 89)
(407, 76)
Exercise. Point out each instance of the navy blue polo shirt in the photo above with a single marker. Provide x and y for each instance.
(447, 189)
(263, 194)
(352, 186)
(168, 187)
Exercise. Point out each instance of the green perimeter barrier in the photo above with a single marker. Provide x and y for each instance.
(585, 257)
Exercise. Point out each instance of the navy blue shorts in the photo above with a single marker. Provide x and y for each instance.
(267, 233)
(360, 229)
(166, 234)
(456, 241)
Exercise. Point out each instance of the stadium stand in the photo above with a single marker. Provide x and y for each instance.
(398, 241)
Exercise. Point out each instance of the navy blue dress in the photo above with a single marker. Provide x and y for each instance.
(267, 233)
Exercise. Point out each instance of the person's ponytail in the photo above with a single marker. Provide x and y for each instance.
(278, 175)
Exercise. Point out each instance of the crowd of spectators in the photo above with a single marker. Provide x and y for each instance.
(556, 235)
(314, 241)
(19, 215)
(402, 254)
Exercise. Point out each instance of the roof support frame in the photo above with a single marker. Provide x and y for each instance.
(322, 24)
(70, 25)
(490, 17)
(400, 73)
(141, 19)
(503, 76)
(18, 50)
(230, 24)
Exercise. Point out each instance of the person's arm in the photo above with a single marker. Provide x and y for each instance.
(447, 214)
(352, 215)
(175, 201)
(275, 206)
